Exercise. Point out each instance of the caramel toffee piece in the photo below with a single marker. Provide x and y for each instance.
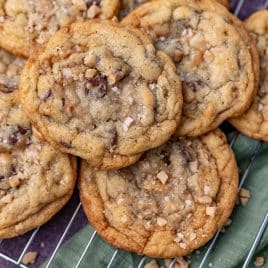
(215, 58)
(102, 92)
(170, 202)
(25, 24)
(254, 122)
(35, 180)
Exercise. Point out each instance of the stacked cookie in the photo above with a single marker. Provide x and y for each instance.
(139, 101)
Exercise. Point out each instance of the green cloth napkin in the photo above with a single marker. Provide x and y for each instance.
(231, 247)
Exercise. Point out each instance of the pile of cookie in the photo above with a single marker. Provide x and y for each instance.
(135, 92)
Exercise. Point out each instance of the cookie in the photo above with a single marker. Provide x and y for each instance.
(180, 194)
(35, 180)
(254, 123)
(27, 24)
(129, 5)
(102, 92)
(214, 55)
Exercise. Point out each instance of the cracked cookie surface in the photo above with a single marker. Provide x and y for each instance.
(35, 180)
(102, 92)
(254, 122)
(214, 55)
(27, 24)
(180, 194)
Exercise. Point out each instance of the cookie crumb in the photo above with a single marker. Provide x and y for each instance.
(29, 257)
(259, 261)
(244, 196)
(181, 263)
(151, 264)
(162, 176)
(42, 245)
(210, 264)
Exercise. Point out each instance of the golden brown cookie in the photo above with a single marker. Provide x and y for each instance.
(129, 5)
(35, 180)
(254, 122)
(170, 202)
(102, 92)
(214, 55)
(27, 24)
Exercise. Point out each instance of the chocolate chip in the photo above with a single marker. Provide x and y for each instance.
(12, 139)
(114, 138)
(7, 88)
(100, 83)
(2, 177)
(22, 130)
(66, 144)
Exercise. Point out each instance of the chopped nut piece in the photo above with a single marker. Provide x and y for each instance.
(115, 89)
(151, 264)
(259, 261)
(90, 73)
(14, 181)
(206, 190)
(29, 258)
(211, 211)
(204, 199)
(161, 29)
(244, 196)
(193, 166)
(161, 222)
(152, 86)
(93, 12)
(90, 60)
(183, 245)
(192, 236)
(124, 219)
(114, 77)
(7, 198)
(188, 202)
(178, 55)
(162, 176)
(127, 123)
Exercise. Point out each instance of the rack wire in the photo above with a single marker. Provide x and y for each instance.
(262, 228)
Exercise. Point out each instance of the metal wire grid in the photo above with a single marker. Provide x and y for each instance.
(203, 262)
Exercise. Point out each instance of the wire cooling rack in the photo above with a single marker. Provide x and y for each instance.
(65, 224)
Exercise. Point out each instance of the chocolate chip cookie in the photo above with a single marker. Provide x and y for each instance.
(254, 122)
(25, 24)
(214, 55)
(102, 92)
(129, 5)
(35, 180)
(180, 194)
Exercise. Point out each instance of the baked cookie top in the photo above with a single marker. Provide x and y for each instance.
(180, 194)
(254, 122)
(213, 55)
(35, 180)
(102, 92)
(15, 129)
(129, 5)
(26, 24)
